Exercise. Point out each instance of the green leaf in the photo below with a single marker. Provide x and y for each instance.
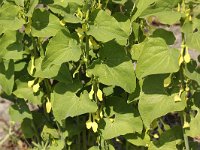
(168, 140)
(67, 12)
(141, 6)
(27, 128)
(157, 58)
(154, 102)
(25, 92)
(44, 24)
(119, 1)
(46, 73)
(193, 131)
(58, 144)
(11, 45)
(164, 11)
(63, 3)
(67, 104)
(138, 139)
(168, 36)
(192, 71)
(152, 106)
(94, 148)
(33, 4)
(114, 67)
(9, 17)
(19, 3)
(136, 50)
(57, 72)
(193, 40)
(18, 112)
(7, 76)
(105, 28)
(124, 22)
(47, 131)
(60, 51)
(125, 120)
(122, 124)
(166, 17)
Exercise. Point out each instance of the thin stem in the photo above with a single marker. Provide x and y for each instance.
(89, 135)
(36, 132)
(84, 138)
(4, 139)
(187, 147)
(79, 138)
(87, 48)
(183, 86)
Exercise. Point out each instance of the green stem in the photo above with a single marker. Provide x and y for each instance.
(87, 48)
(36, 132)
(187, 147)
(79, 138)
(84, 138)
(89, 135)
(4, 139)
(185, 137)
(35, 54)
(127, 145)
(183, 87)
(42, 53)
(48, 86)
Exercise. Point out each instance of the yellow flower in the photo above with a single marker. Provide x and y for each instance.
(100, 95)
(91, 93)
(48, 106)
(36, 87)
(30, 83)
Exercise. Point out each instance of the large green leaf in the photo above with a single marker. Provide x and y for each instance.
(157, 58)
(62, 48)
(44, 24)
(105, 28)
(154, 102)
(11, 45)
(152, 106)
(122, 124)
(126, 119)
(67, 104)
(7, 76)
(114, 67)
(9, 17)
(168, 140)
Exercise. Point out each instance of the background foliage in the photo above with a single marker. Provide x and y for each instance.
(96, 74)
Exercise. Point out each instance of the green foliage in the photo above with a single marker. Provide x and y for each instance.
(98, 74)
